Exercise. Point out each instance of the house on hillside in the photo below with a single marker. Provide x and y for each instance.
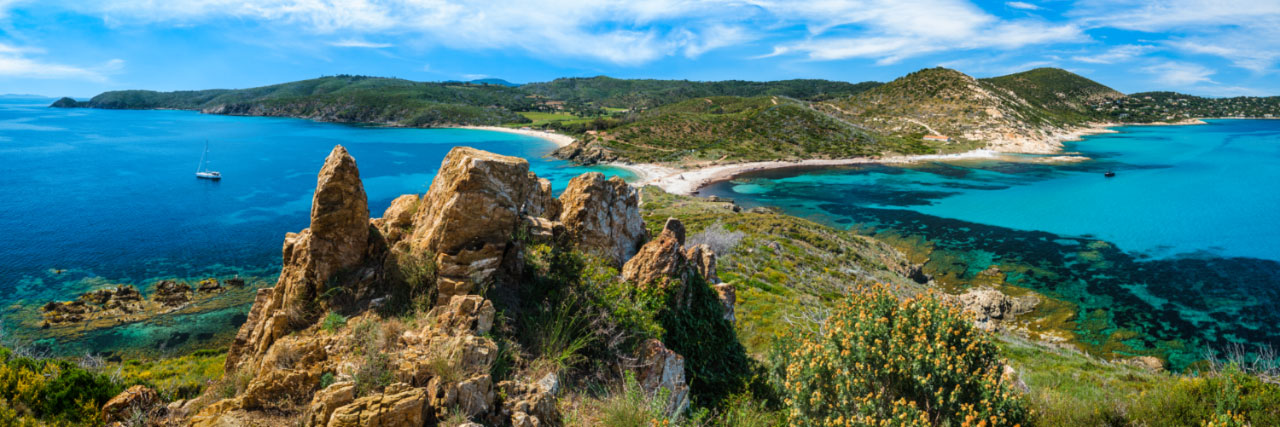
(937, 138)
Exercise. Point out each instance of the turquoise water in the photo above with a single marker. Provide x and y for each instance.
(110, 197)
(1189, 228)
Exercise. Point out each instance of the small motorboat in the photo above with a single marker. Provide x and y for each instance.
(1109, 174)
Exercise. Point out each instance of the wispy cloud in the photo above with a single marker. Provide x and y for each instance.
(1115, 54)
(1180, 74)
(359, 43)
(1022, 5)
(1244, 32)
(18, 62)
(892, 31)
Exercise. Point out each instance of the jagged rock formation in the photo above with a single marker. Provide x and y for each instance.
(466, 233)
(473, 209)
(335, 242)
(603, 216)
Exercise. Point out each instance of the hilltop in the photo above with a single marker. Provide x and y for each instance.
(638, 94)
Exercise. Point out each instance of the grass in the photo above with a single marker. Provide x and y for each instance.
(174, 378)
(1068, 388)
(541, 118)
(782, 266)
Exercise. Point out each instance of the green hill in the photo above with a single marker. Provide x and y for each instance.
(343, 99)
(736, 129)
(609, 92)
(1021, 112)
(1067, 97)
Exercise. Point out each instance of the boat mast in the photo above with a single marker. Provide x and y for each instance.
(200, 167)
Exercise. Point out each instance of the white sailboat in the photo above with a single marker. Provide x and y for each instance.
(202, 171)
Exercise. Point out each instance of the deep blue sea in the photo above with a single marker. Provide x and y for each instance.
(1178, 253)
(96, 197)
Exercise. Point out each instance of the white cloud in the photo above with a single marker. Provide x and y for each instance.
(1180, 74)
(619, 31)
(1115, 54)
(359, 43)
(624, 32)
(16, 62)
(1245, 32)
(1022, 5)
(474, 76)
(890, 31)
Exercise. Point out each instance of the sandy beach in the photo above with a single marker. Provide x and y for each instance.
(559, 140)
(687, 182)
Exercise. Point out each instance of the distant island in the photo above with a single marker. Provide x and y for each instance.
(684, 124)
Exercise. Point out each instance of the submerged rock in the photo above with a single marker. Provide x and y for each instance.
(172, 293)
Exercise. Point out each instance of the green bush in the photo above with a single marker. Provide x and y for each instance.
(884, 361)
(51, 390)
(333, 322)
(716, 363)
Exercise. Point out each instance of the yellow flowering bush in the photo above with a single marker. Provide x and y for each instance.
(882, 361)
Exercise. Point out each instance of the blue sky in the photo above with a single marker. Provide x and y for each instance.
(1212, 48)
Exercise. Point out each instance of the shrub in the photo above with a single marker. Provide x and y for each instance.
(880, 360)
(333, 322)
(326, 380)
(373, 374)
(52, 390)
(715, 361)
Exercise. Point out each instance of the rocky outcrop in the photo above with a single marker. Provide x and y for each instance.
(171, 293)
(661, 262)
(335, 242)
(398, 218)
(586, 152)
(991, 307)
(329, 399)
(467, 231)
(398, 406)
(530, 405)
(135, 400)
(1149, 363)
(603, 216)
(472, 211)
(663, 369)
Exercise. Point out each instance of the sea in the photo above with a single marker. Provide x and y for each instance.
(95, 198)
(1177, 255)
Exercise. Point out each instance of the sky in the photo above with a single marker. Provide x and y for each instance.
(82, 48)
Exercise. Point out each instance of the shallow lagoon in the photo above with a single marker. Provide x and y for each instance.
(110, 197)
(1179, 253)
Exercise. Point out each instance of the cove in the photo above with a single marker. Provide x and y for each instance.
(1176, 254)
(97, 197)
